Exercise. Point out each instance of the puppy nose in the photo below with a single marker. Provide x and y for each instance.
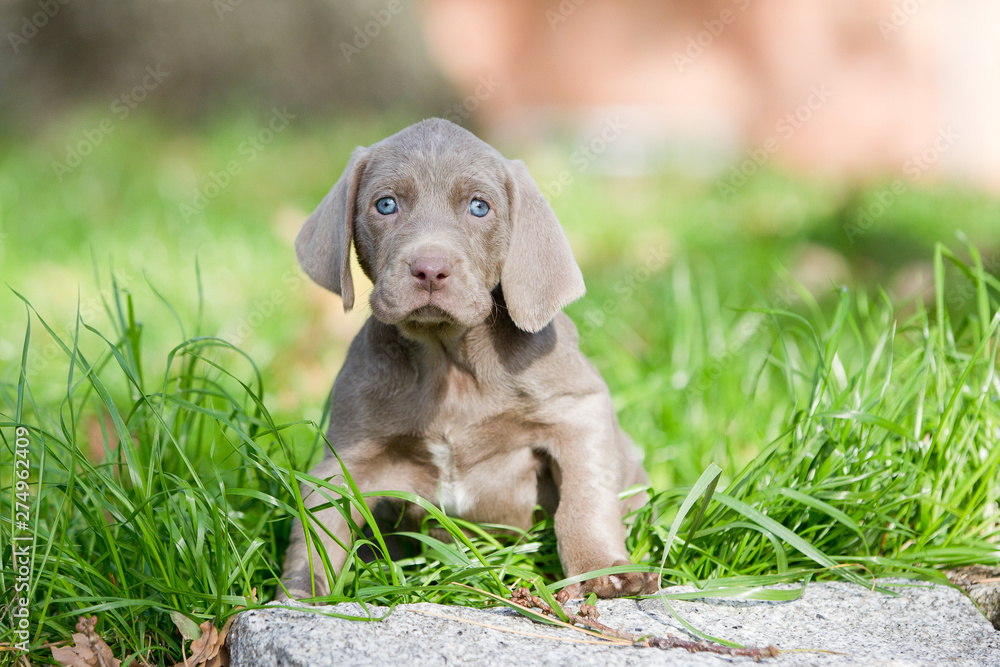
(430, 272)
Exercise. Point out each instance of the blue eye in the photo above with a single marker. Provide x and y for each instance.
(479, 208)
(386, 205)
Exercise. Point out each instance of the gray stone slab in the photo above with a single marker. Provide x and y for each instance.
(924, 625)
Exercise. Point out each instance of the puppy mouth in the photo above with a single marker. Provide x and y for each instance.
(429, 315)
(429, 310)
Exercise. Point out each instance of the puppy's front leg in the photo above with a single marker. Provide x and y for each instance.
(590, 472)
(369, 475)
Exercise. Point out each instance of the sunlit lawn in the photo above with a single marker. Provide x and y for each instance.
(843, 383)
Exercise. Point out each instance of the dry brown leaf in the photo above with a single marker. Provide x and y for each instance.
(222, 659)
(89, 650)
(224, 632)
(206, 650)
(79, 655)
(210, 648)
(207, 646)
(202, 649)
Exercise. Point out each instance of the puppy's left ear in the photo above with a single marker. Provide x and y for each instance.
(323, 245)
(539, 275)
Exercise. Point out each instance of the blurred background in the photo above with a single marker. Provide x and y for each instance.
(746, 151)
(697, 83)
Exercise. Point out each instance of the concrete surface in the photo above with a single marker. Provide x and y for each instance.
(925, 625)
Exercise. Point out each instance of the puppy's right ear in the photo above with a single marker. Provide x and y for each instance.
(323, 245)
(539, 275)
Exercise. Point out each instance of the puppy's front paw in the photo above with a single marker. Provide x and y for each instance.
(617, 585)
(613, 585)
(293, 594)
(300, 586)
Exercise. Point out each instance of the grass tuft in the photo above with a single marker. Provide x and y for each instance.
(790, 440)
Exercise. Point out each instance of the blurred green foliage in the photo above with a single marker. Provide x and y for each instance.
(150, 200)
(832, 392)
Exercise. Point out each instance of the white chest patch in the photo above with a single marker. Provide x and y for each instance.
(453, 496)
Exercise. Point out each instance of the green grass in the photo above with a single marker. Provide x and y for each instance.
(794, 429)
(884, 461)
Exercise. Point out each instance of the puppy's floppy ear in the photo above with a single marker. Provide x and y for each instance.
(539, 275)
(323, 245)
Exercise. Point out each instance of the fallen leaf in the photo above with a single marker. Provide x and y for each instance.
(89, 650)
(224, 632)
(79, 655)
(222, 659)
(206, 646)
(203, 649)
(209, 649)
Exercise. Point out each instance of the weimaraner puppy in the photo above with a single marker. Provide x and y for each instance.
(466, 385)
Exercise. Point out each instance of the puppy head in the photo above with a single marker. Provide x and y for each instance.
(438, 218)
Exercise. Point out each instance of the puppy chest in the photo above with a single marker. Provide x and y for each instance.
(470, 483)
(481, 445)
(454, 494)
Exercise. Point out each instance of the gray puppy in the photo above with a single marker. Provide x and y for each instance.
(466, 386)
